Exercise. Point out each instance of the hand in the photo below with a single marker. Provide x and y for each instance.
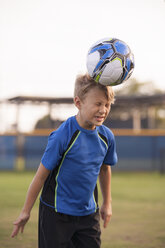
(19, 224)
(106, 213)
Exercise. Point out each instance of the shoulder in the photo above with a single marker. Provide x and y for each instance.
(64, 131)
(107, 133)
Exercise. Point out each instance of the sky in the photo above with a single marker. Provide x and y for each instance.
(44, 44)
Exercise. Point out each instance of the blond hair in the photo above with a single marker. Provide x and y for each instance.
(84, 83)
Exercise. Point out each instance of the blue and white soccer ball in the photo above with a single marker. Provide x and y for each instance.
(110, 61)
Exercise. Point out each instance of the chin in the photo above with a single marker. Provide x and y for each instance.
(99, 124)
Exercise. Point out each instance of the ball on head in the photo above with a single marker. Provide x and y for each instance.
(110, 61)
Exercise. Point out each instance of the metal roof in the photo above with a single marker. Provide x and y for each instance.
(38, 99)
(121, 101)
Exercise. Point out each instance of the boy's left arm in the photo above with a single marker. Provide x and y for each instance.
(105, 185)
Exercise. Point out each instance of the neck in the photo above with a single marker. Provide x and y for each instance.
(86, 125)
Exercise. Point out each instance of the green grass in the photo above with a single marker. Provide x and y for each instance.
(138, 219)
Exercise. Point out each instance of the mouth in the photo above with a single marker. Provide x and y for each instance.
(100, 118)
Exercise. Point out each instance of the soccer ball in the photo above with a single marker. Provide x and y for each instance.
(110, 61)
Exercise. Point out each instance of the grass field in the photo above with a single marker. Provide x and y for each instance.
(138, 219)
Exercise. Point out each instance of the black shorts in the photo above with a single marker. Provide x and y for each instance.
(58, 230)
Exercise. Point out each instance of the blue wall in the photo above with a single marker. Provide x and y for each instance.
(140, 152)
(34, 147)
(134, 152)
(8, 152)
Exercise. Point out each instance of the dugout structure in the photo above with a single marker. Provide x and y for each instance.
(134, 106)
(137, 149)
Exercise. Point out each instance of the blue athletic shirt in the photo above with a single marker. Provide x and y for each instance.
(74, 156)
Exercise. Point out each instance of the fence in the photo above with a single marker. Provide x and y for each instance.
(142, 150)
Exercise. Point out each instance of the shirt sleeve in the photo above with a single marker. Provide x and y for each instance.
(111, 156)
(53, 152)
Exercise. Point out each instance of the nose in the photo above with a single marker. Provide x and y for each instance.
(102, 110)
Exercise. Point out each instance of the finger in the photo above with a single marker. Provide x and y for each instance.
(106, 220)
(17, 222)
(22, 228)
(15, 231)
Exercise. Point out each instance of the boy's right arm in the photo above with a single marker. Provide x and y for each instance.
(32, 194)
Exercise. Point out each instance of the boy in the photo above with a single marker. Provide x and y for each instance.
(79, 151)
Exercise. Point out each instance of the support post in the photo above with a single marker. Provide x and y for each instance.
(136, 119)
(151, 117)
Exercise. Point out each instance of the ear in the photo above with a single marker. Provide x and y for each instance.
(77, 102)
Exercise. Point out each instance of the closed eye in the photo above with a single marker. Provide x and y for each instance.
(107, 105)
(98, 104)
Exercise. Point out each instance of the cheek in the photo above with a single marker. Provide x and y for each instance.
(108, 110)
(89, 107)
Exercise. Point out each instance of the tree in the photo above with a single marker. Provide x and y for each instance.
(47, 122)
(134, 87)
